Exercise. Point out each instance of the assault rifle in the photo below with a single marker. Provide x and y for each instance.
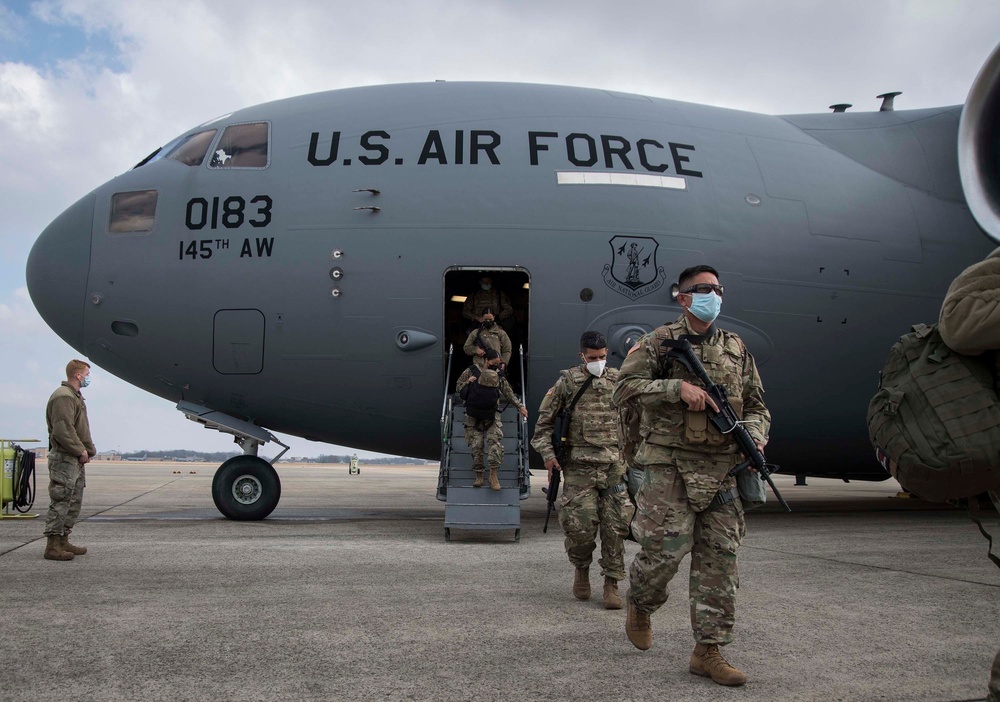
(725, 420)
(551, 493)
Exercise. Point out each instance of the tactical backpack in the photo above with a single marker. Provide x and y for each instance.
(481, 397)
(935, 420)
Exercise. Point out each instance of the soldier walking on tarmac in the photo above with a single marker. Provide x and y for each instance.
(593, 498)
(688, 502)
(70, 449)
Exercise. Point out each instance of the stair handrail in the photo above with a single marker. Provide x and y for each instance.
(522, 423)
(447, 381)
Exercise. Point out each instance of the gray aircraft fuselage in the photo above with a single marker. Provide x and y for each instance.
(309, 289)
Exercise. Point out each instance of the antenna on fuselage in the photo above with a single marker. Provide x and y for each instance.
(887, 101)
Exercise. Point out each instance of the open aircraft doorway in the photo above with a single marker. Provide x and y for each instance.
(464, 287)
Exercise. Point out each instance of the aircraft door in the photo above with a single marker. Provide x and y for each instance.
(464, 293)
(238, 342)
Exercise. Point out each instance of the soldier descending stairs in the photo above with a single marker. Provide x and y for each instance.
(483, 428)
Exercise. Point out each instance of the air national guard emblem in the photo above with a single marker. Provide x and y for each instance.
(633, 271)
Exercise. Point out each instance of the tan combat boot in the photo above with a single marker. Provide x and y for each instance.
(581, 584)
(494, 481)
(707, 662)
(65, 545)
(638, 628)
(479, 479)
(612, 600)
(54, 552)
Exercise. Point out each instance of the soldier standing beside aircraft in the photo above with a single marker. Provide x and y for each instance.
(969, 323)
(488, 297)
(481, 387)
(70, 448)
(688, 502)
(593, 497)
(488, 336)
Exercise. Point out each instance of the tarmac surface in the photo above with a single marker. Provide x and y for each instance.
(349, 591)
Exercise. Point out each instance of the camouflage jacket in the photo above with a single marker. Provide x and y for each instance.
(969, 321)
(481, 299)
(66, 418)
(652, 379)
(593, 426)
(495, 338)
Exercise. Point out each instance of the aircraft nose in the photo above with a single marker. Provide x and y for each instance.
(57, 270)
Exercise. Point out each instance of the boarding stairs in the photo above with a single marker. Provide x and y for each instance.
(481, 508)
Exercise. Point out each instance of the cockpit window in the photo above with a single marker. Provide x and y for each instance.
(132, 213)
(242, 146)
(191, 151)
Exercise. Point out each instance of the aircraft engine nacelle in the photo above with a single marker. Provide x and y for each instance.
(979, 147)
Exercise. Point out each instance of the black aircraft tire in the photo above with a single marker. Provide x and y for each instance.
(246, 488)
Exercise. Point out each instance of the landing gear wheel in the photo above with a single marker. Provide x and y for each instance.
(246, 488)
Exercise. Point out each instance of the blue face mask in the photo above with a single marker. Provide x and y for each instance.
(705, 306)
(85, 382)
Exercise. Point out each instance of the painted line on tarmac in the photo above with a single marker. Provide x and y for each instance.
(27, 543)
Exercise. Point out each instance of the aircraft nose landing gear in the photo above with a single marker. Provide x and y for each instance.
(246, 487)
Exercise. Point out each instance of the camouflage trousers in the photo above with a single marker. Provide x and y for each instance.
(67, 478)
(668, 529)
(584, 511)
(478, 430)
(994, 695)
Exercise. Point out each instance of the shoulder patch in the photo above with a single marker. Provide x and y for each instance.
(635, 347)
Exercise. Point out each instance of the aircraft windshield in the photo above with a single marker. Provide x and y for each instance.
(191, 151)
(132, 212)
(242, 146)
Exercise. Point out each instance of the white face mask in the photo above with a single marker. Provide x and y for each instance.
(485, 286)
(596, 368)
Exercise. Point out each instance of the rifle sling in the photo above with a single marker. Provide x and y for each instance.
(569, 411)
(583, 389)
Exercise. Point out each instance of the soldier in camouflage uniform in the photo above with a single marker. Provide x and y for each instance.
(487, 296)
(593, 497)
(70, 448)
(490, 429)
(969, 323)
(688, 502)
(492, 337)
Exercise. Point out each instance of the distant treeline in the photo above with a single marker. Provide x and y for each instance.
(221, 456)
(395, 461)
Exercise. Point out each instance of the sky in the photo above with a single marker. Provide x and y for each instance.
(90, 87)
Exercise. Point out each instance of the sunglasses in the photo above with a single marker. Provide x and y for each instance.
(705, 288)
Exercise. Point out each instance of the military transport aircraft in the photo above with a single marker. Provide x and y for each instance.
(299, 266)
